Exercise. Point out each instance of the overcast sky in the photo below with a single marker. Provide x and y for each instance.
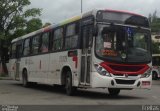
(57, 10)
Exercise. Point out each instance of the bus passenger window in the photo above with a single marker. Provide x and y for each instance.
(58, 39)
(35, 44)
(26, 49)
(13, 50)
(71, 38)
(45, 43)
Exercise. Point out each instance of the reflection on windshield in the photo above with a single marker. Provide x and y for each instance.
(137, 40)
(123, 44)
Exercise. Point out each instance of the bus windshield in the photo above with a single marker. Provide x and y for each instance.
(123, 44)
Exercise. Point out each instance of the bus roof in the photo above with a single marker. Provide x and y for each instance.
(48, 28)
(126, 12)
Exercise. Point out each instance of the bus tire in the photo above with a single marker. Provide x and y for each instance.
(154, 76)
(25, 82)
(70, 90)
(113, 91)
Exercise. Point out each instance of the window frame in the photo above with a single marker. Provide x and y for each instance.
(11, 52)
(77, 33)
(24, 47)
(53, 40)
(31, 44)
(41, 42)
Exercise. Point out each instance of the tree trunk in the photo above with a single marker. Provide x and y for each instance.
(3, 56)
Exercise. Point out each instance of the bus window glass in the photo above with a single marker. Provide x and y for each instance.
(35, 44)
(13, 51)
(123, 44)
(26, 49)
(71, 36)
(58, 39)
(45, 42)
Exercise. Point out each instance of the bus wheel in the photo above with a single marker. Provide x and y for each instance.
(25, 79)
(154, 76)
(113, 91)
(69, 88)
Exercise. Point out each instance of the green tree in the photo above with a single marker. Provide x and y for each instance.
(155, 25)
(155, 48)
(33, 25)
(13, 19)
(155, 22)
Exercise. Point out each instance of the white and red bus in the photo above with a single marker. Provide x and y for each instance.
(98, 49)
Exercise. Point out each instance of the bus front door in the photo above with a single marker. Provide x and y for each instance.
(86, 54)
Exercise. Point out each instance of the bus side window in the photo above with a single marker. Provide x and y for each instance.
(58, 39)
(45, 43)
(35, 44)
(13, 51)
(71, 38)
(26, 47)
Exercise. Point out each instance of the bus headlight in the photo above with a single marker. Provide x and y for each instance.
(147, 73)
(102, 71)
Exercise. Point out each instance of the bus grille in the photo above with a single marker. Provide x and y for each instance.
(126, 68)
(119, 81)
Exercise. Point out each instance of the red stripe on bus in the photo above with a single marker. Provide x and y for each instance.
(124, 68)
(126, 12)
(75, 59)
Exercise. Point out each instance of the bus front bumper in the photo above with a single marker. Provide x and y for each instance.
(99, 81)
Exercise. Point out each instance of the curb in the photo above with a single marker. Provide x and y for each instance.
(5, 78)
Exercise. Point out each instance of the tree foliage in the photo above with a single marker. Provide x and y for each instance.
(14, 20)
(14, 15)
(155, 22)
(155, 47)
(33, 24)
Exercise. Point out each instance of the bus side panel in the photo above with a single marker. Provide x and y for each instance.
(38, 66)
(12, 68)
(54, 69)
(43, 67)
(57, 62)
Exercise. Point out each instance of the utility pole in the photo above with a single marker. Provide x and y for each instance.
(81, 6)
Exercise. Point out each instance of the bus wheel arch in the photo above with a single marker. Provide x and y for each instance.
(63, 74)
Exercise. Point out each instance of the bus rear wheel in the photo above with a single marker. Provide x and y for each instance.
(154, 76)
(70, 90)
(113, 91)
(25, 79)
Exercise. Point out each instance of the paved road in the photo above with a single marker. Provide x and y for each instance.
(12, 92)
